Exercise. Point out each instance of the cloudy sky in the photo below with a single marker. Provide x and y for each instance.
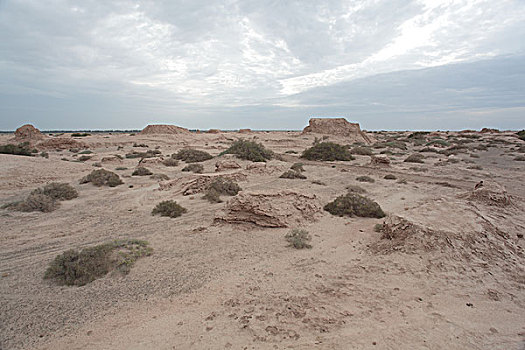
(387, 64)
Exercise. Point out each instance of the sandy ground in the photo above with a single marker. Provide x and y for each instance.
(212, 285)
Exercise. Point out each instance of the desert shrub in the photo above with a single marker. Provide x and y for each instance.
(475, 167)
(21, 149)
(121, 168)
(474, 155)
(74, 150)
(418, 134)
(84, 158)
(141, 171)
(97, 165)
(249, 150)
(520, 158)
(365, 179)
(390, 177)
(34, 202)
(438, 142)
(148, 154)
(521, 135)
(297, 167)
(454, 150)
(453, 160)
(58, 191)
(402, 181)
(85, 152)
(353, 204)
(298, 239)
(140, 145)
(192, 155)
(318, 182)
(418, 169)
(77, 134)
(481, 147)
(102, 177)
(391, 144)
(221, 187)
(292, 174)
(363, 151)
(195, 168)
(159, 177)
(428, 149)
(327, 151)
(418, 142)
(80, 267)
(170, 162)
(378, 228)
(355, 189)
(44, 154)
(415, 158)
(168, 208)
(291, 152)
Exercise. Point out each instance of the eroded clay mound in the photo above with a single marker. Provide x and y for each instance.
(28, 133)
(271, 209)
(490, 193)
(337, 127)
(196, 183)
(163, 129)
(60, 143)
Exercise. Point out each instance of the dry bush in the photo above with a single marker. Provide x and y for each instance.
(195, 168)
(168, 208)
(365, 179)
(159, 177)
(327, 151)
(221, 187)
(318, 182)
(102, 177)
(21, 149)
(83, 158)
(58, 191)
(415, 158)
(428, 149)
(78, 268)
(475, 167)
(249, 150)
(391, 144)
(418, 169)
(363, 151)
(85, 152)
(192, 155)
(292, 174)
(298, 239)
(141, 171)
(438, 142)
(355, 189)
(520, 158)
(34, 202)
(140, 145)
(121, 168)
(353, 204)
(390, 177)
(170, 162)
(297, 167)
(142, 155)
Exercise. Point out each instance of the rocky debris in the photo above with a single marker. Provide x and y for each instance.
(226, 165)
(380, 160)
(245, 131)
(271, 209)
(338, 127)
(60, 143)
(28, 133)
(490, 193)
(196, 183)
(163, 129)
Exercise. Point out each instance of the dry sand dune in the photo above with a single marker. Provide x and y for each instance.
(446, 272)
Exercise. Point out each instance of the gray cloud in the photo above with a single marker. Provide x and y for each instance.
(231, 64)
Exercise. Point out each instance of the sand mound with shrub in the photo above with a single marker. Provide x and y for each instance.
(490, 193)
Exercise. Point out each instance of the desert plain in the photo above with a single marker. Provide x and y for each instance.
(444, 269)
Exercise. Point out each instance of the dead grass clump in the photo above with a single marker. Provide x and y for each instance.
(327, 151)
(141, 171)
(297, 167)
(80, 267)
(292, 174)
(415, 158)
(195, 168)
(57, 191)
(170, 162)
(390, 177)
(362, 151)
(221, 187)
(353, 204)
(192, 155)
(355, 189)
(365, 179)
(168, 208)
(34, 202)
(102, 177)
(21, 149)
(147, 154)
(249, 150)
(159, 177)
(298, 239)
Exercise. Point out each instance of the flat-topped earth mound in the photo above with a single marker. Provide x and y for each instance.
(28, 133)
(163, 129)
(338, 127)
(271, 209)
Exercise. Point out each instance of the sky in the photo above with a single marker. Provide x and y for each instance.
(270, 65)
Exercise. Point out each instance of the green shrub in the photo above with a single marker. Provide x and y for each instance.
(196, 168)
(58, 191)
(168, 208)
(141, 171)
(192, 155)
(391, 144)
(292, 174)
(353, 204)
(390, 177)
(221, 187)
(19, 150)
(212, 196)
(327, 151)
(365, 179)
(249, 150)
(298, 239)
(363, 151)
(297, 167)
(102, 177)
(428, 149)
(170, 162)
(415, 158)
(78, 268)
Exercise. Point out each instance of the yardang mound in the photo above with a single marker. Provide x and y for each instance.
(163, 129)
(28, 133)
(337, 127)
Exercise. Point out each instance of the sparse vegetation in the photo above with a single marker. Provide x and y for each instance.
(438, 142)
(521, 135)
(192, 155)
(353, 204)
(57, 191)
(141, 171)
(44, 154)
(121, 168)
(195, 168)
(170, 162)
(80, 267)
(34, 202)
(168, 208)
(221, 187)
(148, 154)
(140, 145)
(291, 152)
(292, 174)
(365, 179)
(21, 149)
(249, 150)
(327, 151)
(83, 158)
(77, 134)
(355, 189)
(102, 177)
(363, 151)
(318, 182)
(85, 152)
(159, 177)
(418, 169)
(475, 167)
(390, 177)
(520, 158)
(298, 239)
(415, 158)
(297, 167)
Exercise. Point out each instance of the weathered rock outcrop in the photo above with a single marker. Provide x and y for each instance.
(163, 129)
(28, 133)
(338, 127)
